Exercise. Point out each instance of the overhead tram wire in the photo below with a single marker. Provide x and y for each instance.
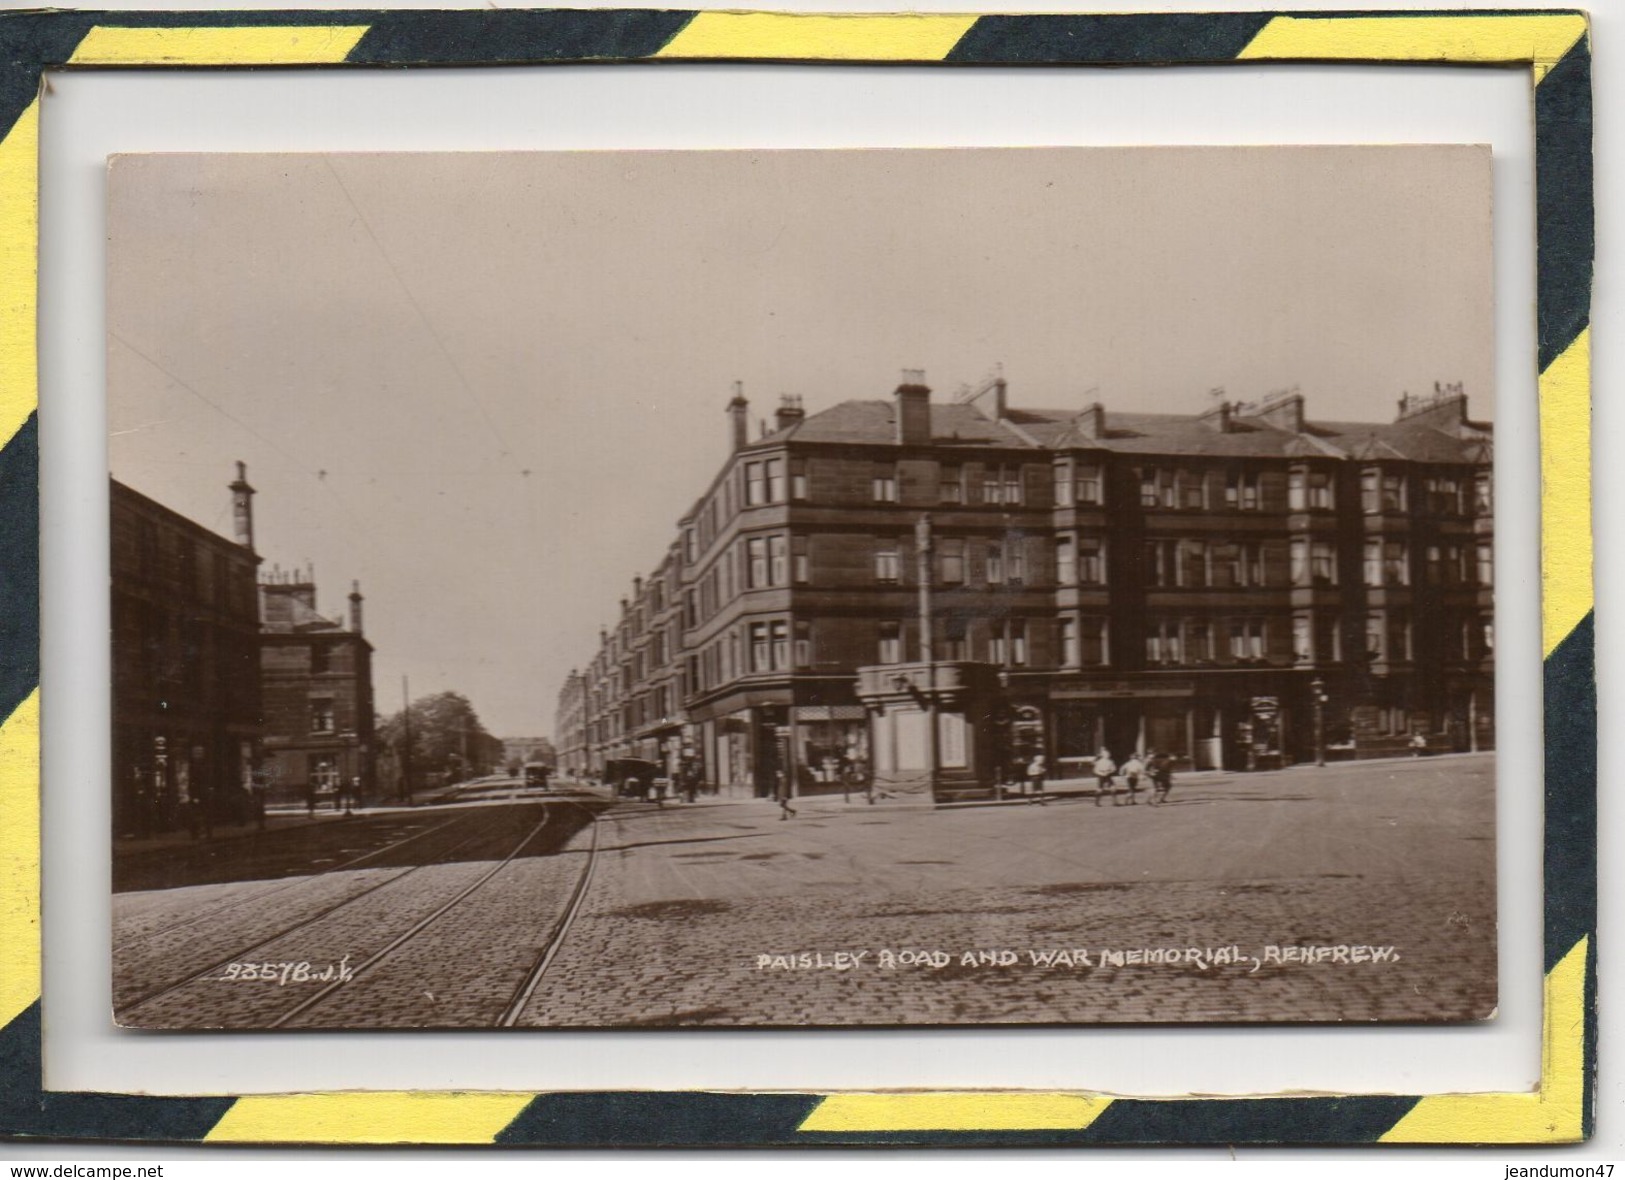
(423, 317)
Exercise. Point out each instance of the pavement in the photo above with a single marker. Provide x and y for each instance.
(1352, 892)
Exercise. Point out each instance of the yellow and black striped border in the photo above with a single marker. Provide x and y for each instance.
(1552, 45)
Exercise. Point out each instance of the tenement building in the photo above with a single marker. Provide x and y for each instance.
(317, 685)
(1241, 588)
(185, 665)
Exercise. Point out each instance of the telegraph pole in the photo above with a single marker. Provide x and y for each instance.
(406, 752)
(928, 655)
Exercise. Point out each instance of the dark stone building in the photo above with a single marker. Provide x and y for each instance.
(317, 685)
(185, 665)
(1242, 588)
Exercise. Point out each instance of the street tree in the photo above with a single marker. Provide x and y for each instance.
(448, 741)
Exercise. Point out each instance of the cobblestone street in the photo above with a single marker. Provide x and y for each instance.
(1397, 854)
(720, 913)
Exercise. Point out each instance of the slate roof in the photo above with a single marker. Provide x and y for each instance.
(875, 422)
(1425, 441)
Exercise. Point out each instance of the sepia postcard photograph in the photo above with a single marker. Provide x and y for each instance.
(802, 588)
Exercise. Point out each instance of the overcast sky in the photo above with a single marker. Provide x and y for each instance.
(486, 385)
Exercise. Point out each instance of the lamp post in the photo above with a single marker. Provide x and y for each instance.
(1317, 689)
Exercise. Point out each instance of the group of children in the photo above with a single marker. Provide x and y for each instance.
(1153, 768)
(1157, 769)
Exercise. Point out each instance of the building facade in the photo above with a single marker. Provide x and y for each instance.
(185, 666)
(1241, 588)
(316, 676)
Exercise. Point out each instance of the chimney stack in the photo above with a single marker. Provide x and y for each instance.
(789, 411)
(913, 399)
(242, 508)
(1283, 410)
(355, 607)
(738, 412)
(1092, 422)
(1218, 418)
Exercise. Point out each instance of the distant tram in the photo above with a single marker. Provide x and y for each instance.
(537, 774)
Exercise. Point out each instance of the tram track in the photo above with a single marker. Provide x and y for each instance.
(502, 1014)
(533, 978)
(280, 887)
(541, 960)
(242, 953)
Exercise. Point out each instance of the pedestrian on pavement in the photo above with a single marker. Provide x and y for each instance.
(1160, 767)
(1105, 772)
(781, 792)
(1133, 769)
(1035, 777)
